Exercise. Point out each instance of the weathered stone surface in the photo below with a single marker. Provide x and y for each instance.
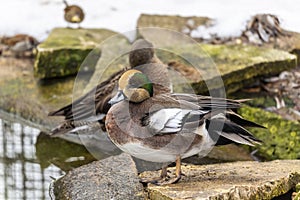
(290, 43)
(174, 22)
(62, 53)
(112, 178)
(240, 65)
(237, 65)
(239, 180)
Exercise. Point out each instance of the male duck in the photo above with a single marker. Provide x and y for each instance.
(168, 127)
(93, 106)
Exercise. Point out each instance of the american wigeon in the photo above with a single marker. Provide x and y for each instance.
(167, 127)
(81, 112)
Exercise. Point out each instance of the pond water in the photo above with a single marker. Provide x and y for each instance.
(31, 160)
(21, 175)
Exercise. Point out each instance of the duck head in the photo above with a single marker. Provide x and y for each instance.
(141, 53)
(134, 86)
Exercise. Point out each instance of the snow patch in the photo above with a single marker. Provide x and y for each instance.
(38, 17)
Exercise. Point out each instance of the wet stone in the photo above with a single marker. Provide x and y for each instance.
(239, 180)
(111, 178)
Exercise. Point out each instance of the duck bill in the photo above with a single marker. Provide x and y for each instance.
(117, 98)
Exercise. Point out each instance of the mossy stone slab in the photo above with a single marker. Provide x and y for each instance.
(174, 22)
(62, 53)
(239, 180)
(241, 65)
(290, 42)
(229, 66)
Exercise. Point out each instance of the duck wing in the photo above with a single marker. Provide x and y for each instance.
(180, 112)
(92, 103)
(188, 112)
(208, 102)
(172, 120)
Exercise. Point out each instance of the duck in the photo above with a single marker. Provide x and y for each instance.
(92, 107)
(168, 127)
(19, 45)
(73, 13)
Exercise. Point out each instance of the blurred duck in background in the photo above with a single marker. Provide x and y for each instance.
(20, 45)
(73, 14)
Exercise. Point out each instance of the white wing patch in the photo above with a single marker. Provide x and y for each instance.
(169, 120)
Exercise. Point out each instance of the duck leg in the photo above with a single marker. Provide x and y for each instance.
(163, 175)
(178, 174)
(161, 180)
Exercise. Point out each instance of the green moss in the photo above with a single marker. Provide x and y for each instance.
(63, 52)
(60, 62)
(281, 138)
(80, 38)
(237, 65)
(297, 188)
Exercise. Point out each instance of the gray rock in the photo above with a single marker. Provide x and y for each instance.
(239, 180)
(111, 178)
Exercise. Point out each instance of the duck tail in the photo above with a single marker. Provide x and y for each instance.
(224, 131)
(234, 117)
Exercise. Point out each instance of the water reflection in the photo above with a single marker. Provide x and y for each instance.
(61, 153)
(21, 175)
